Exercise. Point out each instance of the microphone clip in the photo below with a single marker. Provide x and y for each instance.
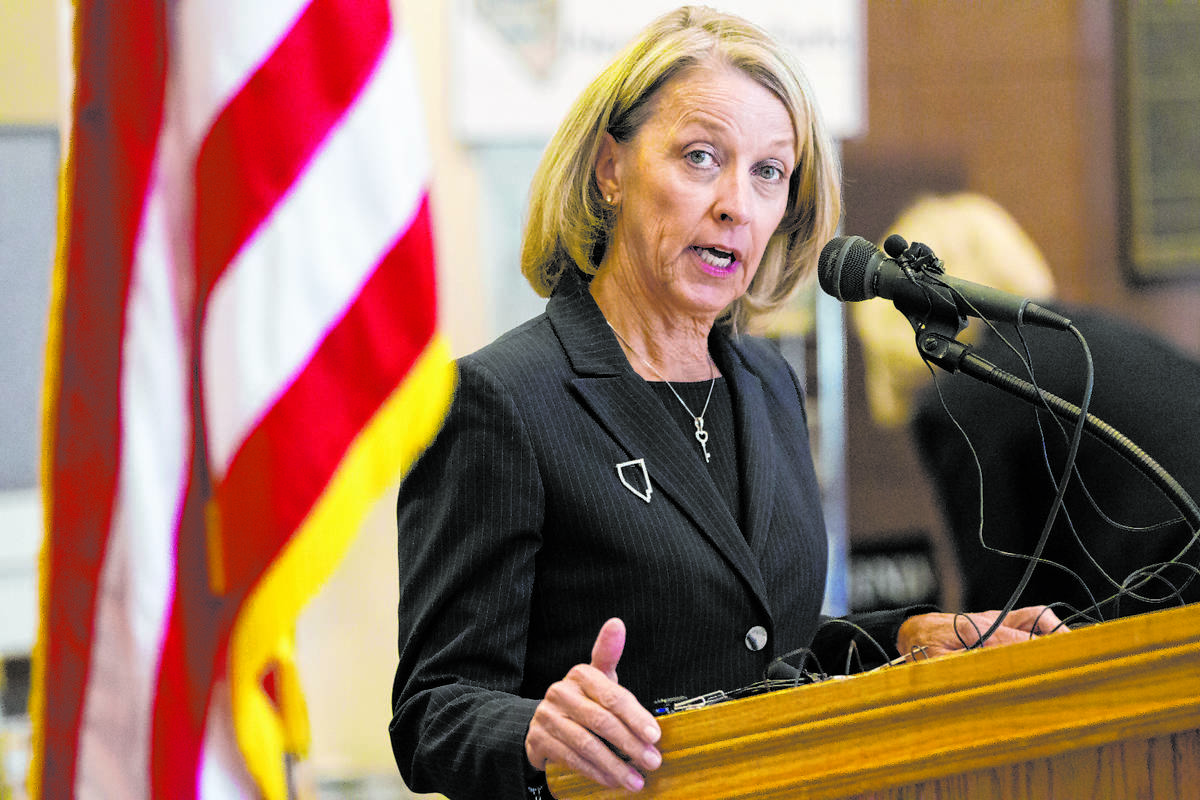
(936, 347)
(926, 302)
(913, 258)
(919, 257)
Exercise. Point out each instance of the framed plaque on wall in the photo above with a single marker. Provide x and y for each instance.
(1159, 94)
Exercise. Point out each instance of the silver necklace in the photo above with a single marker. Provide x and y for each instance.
(698, 419)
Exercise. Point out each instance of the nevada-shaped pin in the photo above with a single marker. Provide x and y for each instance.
(636, 479)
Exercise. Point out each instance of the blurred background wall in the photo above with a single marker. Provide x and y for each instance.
(1022, 102)
(29, 145)
(1025, 103)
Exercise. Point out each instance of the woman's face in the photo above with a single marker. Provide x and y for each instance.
(700, 189)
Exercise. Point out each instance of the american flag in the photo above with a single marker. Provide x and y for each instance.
(243, 357)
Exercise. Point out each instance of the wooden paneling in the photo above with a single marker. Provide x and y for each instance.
(1021, 97)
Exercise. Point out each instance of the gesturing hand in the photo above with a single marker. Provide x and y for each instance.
(588, 708)
(937, 634)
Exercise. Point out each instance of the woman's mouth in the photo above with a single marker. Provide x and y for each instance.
(714, 257)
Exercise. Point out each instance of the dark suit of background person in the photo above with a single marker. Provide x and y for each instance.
(1144, 388)
(519, 540)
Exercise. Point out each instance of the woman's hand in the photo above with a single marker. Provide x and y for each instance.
(937, 634)
(588, 708)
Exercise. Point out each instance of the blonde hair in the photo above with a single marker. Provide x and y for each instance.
(569, 223)
(978, 241)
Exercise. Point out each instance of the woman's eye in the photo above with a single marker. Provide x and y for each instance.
(701, 158)
(770, 172)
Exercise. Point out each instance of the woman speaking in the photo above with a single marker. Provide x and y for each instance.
(622, 505)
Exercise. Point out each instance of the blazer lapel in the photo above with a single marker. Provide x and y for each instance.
(633, 415)
(756, 441)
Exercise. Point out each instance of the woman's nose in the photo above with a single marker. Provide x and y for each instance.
(732, 203)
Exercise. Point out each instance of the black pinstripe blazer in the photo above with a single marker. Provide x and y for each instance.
(518, 539)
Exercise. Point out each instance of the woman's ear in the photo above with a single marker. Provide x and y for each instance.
(607, 170)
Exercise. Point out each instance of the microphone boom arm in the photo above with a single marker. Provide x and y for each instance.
(954, 356)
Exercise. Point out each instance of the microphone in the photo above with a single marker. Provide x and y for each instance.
(852, 269)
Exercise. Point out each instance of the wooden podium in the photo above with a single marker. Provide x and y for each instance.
(1110, 711)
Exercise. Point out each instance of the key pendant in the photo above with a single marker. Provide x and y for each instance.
(702, 438)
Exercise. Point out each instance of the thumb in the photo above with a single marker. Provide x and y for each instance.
(610, 643)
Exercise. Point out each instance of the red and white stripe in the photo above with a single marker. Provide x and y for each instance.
(273, 273)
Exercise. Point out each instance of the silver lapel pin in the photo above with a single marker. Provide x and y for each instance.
(637, 462)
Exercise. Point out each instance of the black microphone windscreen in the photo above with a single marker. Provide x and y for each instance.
(842, 268)
(895, 245)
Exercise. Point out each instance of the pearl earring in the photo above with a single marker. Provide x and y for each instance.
(608, 199)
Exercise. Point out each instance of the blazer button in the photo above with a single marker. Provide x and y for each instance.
(756, 638)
